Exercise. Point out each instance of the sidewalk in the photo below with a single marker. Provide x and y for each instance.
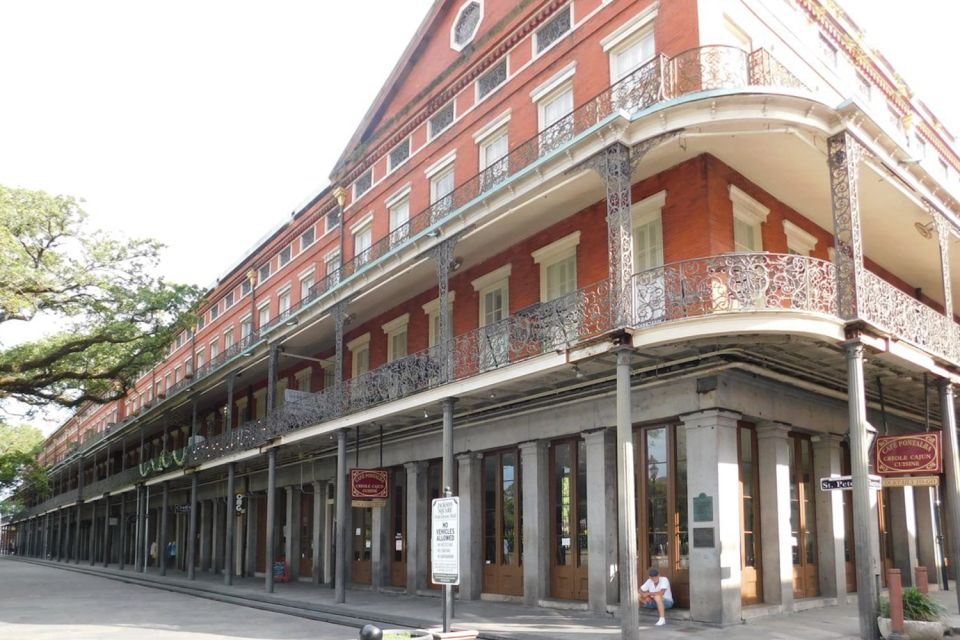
(495, 620)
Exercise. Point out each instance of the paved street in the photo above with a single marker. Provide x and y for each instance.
(39, 602)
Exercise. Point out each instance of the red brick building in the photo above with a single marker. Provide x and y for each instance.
(688, 250)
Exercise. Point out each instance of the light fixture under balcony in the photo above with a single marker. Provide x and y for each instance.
(435, 233)
(291, 322)
(456, 264)
(577, 372)
(925, 230)
(247, 354)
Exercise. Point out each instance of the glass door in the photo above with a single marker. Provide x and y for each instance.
(568, 525)
(502, 528)
(751, 590)
(662, 506)
(398, 554)
(803, 518)
(362, 523)
(306, 534)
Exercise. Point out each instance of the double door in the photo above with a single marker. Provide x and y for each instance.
(502, 527)
(568, 522)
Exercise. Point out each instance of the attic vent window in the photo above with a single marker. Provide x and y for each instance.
(466, 24)
(492, 79)
(553, 30)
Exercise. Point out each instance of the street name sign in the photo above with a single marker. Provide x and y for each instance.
(845, 483)
(445, 542)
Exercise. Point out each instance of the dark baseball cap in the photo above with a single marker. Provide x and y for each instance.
(653, 573)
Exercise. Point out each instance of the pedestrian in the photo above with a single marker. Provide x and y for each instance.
(153, 551)
(656, 594)
(172, 553)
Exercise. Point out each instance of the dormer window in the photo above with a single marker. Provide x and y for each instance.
(466, 24)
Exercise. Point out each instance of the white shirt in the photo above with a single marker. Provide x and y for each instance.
(662, 586)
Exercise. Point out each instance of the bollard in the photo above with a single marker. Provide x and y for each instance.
(371, 632)
(921, 580)
(895, 588)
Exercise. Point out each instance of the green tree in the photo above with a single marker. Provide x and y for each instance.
(19, 446)
(111, 315)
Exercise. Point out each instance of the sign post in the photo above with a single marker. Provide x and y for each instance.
(445, 549)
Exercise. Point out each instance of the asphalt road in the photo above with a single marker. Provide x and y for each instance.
(39, 602)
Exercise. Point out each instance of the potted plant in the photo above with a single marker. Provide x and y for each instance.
(922, 616)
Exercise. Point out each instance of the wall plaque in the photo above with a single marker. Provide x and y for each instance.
(703, 538)
(916, 453)
(703, 508)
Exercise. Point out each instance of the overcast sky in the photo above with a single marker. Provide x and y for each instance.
(205, 123)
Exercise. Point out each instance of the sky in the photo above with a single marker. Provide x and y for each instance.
(204, 124)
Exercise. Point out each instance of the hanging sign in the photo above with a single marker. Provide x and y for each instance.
(444, 542)
(916, 453)
(369, 484)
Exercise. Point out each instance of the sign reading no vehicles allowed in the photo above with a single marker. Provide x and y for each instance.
(444, 541)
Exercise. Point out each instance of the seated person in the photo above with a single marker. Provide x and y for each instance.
(656, 593)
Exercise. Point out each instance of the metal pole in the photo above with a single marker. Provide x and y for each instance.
(231, 517)
(59, 554)
(93, 531)
(192, 535)
(271, 507)
(952, 472)
(629, 586)
(122, 523)
(145, 514)
(106, 530)
(76, 535)
(340, 593)
(868, 562)
(447, 492)
(162, 546)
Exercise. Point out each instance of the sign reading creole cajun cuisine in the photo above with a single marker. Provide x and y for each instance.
(915, 453)
(369, 484)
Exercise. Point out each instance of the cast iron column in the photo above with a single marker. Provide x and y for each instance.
(231, 517)
(271, 514)
(951, 450)
(843, 156)
(864, 525)
(106, 529)
(122, 521)
(145, 514)
(626, 483)
(162, 546)
(192, 535)
(340, 595)
(448, 489)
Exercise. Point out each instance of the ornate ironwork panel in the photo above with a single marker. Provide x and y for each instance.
(734, 283)
(944, 233)
(339, 318)
(707, 68)
(844, 154)
(443, 257)
(765, 70)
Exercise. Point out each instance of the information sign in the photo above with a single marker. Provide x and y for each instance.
(444, 541)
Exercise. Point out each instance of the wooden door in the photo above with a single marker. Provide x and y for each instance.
(502, 571)
(306, 535)
(362, 524)
(886, 538)
(751, 585)
(803, 518)
(662, 507)
(398, 554)
(568, 523)
(261, 532)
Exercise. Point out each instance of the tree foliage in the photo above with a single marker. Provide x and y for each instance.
(112, 316)
(19, 446)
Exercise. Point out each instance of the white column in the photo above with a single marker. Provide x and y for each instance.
(928, 552)
(418, 515)
(903, 528)
(713, 478)
(773, 452)
(831, 565)
(536, 521)
(602, 575)
(381, 548)
(471, 523)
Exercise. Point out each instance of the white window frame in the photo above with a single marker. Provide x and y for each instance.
(311, 274)
(552, 254)
(453, 26)
(303, 233)
(535, 40)
(749, 211)
(431, 134)
(327, 228)
(646, 211)
(357, 346)
(551, 90)
(496, 279)
(281, 263)
(394, 328)
(393, 202)
(798, 240)
(393, 167)
(263, 306)
(214, 347)
(630, 34)
(353, 187)
(477, 98)
(246, 320)
(432, 311)
(286, 291)
(228, 332)
(364, 225)
(267, 265)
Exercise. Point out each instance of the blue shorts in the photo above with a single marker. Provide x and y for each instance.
(652, 604)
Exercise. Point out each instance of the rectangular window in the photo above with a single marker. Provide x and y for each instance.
(285, 254)
(746, 236)
(397, 345)
(228, 300)
(362, 240)
(440, 120)
(306, 284)
(228, 339)
(245, 287)
(492, 79)
(441, 190)
(200, 359)
(561, 277)
(648, 244)
(246, 328)
(306, 238)
(331, 220)
(263, 314)
(264, 273)
(214, 312)
(331, 266)
(214, 350)
(399, 154)
(283, 300)
(329, 377)
(399, 216)
(555, 29)
(556, 121)
(201, 322)
(493, 159)
(363, 184)
(432, 309)
(632, 54)
(177, 375)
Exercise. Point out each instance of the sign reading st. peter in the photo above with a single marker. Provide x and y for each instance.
(915, 453)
